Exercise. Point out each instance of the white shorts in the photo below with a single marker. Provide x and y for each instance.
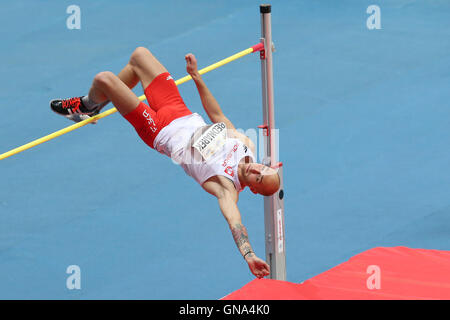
(176, 136)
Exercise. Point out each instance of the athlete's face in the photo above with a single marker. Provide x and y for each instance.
(261, 179)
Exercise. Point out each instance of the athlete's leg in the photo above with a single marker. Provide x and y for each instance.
(128, 76)
(143, 67)
(108, 86)
(160, 90)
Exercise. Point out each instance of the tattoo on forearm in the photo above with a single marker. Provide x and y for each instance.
(240, 236)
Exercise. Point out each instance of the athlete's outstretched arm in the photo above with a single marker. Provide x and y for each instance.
(231, 213)
(209, 103)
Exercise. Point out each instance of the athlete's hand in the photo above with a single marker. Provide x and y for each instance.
(191, 64)
(258, 266)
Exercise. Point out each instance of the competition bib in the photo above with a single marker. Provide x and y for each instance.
(211, 140)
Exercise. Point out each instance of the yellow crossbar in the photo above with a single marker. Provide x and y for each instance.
(113, 110)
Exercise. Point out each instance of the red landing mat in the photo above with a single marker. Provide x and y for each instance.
(397, 273)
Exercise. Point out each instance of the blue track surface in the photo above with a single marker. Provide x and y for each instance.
(364, 120)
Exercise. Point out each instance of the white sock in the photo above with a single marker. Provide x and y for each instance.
(90, 105)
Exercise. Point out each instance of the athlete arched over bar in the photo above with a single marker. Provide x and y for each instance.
(217, 156)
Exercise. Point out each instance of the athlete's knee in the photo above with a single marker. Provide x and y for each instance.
(139, 55)
(104, 79)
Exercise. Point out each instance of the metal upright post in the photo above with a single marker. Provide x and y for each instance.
(273, 205)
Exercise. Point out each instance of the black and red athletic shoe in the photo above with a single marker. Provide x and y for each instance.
(73, 109)
(67, 107)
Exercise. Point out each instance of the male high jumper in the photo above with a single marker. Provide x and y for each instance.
(217, 156)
